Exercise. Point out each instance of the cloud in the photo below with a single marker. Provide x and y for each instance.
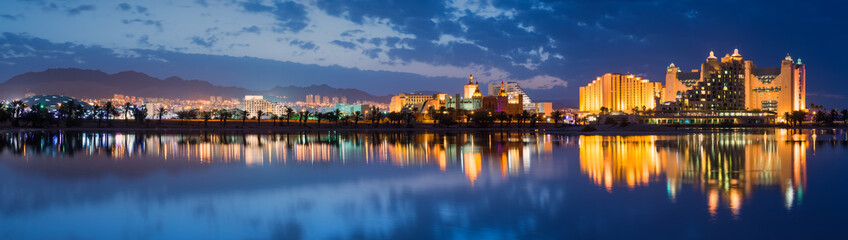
(255, 6)
(147, 22)
(81, 8)
(372, 53)
(125, 6)
(202, 3)
(9, 17)
(207, 43)
(350, 33)
(292, 16)
(691, 14)
(304, 45)
(251, 29)
(344, 44)
(542, 82)
(141, 9)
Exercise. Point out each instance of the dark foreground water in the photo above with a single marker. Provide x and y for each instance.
(775, 184)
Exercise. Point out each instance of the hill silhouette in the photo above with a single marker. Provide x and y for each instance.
(84, 83)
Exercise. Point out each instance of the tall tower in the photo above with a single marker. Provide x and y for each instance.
(468, 91)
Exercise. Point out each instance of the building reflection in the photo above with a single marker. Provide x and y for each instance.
(726, 166)
(496, 154)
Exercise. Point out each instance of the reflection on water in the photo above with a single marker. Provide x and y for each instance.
(400, 186)
(512, 151)
(726, 166)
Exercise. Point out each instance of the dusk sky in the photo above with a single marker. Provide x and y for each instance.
(386, 47)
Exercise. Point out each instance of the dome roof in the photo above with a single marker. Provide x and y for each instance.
(736, 53)
(52, 101)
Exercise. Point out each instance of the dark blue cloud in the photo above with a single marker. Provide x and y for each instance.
(255, 6)
(344, 44)
(204, 42)
(81, 8)
(290, 16)
(140, 9)
(372, 53)
(202, 3)
(304, 45)
(9, 17)
(147, 22)
(350, 33)
(251, 29)
(125, 6)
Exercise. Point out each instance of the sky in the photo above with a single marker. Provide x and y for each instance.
(386, 47)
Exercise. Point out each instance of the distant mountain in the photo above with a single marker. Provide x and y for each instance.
(81, 83)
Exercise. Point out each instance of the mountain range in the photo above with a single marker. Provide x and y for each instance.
(84, 83)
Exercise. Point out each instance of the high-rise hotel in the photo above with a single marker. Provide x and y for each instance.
(735, 84)
(619, 92)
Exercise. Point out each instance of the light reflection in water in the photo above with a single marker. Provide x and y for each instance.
(338, 185)
(726, 166)
(511, 153)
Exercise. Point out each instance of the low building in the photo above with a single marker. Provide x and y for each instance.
(255, 103)
(501, 102)
(409, 102)
(347, 109)
(52, 102)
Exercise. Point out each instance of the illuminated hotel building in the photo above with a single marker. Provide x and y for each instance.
(735, 84)
(409, 101)
(619, 92)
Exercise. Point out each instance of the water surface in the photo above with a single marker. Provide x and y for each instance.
(772, 184)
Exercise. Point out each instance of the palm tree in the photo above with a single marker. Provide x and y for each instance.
(374, 116)
(259, 115)
(273, 117)
(243, 117)
(160, 113)
(786, 117)
(96, 108)
(525, 115)
(336, 115)
(356, 115)
(109, 111)
(224, 114)
(844, 116)
(126, 113)
(503, 117)
(556, 115)
(319, 115)
(206, 115)
(304, 117)
(289, 114)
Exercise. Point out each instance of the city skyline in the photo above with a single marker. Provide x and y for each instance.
(558, 46)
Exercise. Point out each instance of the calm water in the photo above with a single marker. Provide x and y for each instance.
(764, 185)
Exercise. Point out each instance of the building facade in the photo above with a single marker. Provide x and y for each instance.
(408, 101)
(469, 89)
(255, 103)
(734, 84)
(501, 102)
(619, 92)
(309, 99)
(514, 90)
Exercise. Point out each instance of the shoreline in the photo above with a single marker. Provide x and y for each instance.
(603, 130)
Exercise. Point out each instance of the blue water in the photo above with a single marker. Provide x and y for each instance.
(766, 184)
